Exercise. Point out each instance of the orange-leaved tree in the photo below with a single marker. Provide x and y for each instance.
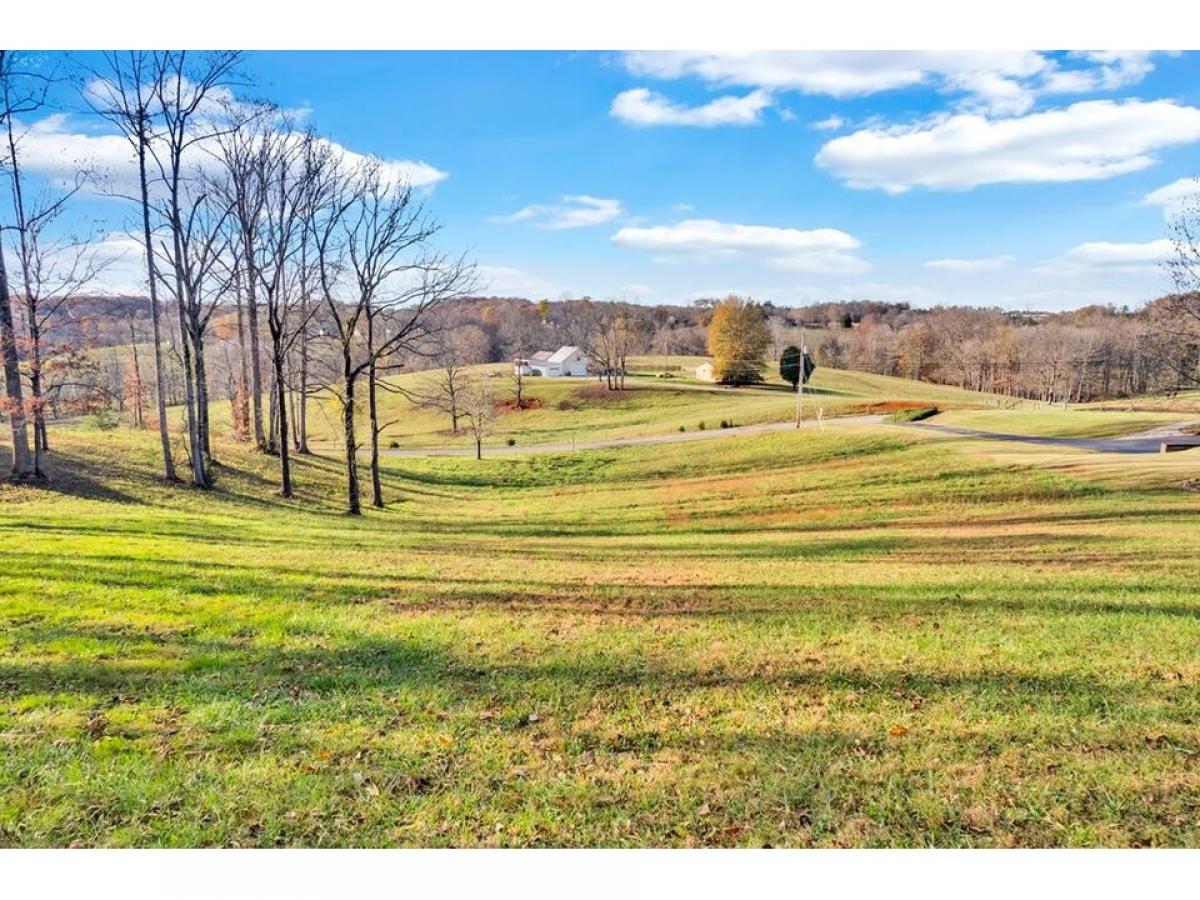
(738, 339)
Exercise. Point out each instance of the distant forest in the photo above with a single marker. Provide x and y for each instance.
(98, 345)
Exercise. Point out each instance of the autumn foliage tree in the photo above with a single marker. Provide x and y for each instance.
(738, 339)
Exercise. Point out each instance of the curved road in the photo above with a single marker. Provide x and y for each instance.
(1146, 442)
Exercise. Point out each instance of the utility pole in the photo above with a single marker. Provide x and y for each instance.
(800, 382)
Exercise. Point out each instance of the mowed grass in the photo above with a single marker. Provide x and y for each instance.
(863, 636)
(580, 408)
(1057, 422)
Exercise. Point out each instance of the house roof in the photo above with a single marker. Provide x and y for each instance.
(562, 354)
(541, 356)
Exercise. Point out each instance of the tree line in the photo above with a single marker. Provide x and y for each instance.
(252, 228)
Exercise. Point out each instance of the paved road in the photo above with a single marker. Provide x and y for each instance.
(1145, 442)
(676, 437)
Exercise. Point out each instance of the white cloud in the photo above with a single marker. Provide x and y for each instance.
(1085, 141)
(1107, 257)
(643, 108)
(833, 123)
(575, 211)
(1105, 70)
(787, 249)
(1001, 82)
(986, 264)
(1174, 197)
(58, 149)
(505, 281)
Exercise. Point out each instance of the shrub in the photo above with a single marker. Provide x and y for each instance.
(700, 426)
(912, 415)
(105, 420)
(393, 444)
(725, 423)
(512, 442)
(683, 428)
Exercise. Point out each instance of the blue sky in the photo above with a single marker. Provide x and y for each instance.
(993, 178)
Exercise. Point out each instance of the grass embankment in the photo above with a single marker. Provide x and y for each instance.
(1091, 423)
(860, 636)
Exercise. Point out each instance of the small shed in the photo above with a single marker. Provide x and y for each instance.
(706, 372)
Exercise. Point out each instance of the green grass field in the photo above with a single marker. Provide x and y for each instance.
(1058, 422)
(862, 636)
(581, 408)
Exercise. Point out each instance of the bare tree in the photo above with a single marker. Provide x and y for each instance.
(479, 406)
(187, 89)
(298, 173)
(122, 93)
(1176, 320)
(443, 390)
(381, 279)
(201, 281)
(15, 98)
(242, 151)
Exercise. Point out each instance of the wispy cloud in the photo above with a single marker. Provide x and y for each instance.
(575, 211)
(987, 264)
(786, 249)
(645, 108)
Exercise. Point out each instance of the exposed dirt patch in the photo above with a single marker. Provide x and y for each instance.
(886, 406)
(507, 406)
(599, 392)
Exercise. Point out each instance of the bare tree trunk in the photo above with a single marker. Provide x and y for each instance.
(41, 441)
(372, 407)
(189, 385)
(22, 465)
(138, 413)
(272, 413)
(354, 505)
(202, 395)
(302, 400)
(255, 363)
(244, 400)
(285, 468)
(164, 432)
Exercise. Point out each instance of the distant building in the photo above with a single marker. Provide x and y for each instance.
(706, 372)
(568, 362)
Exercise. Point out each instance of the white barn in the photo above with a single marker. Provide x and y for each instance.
(565, 361)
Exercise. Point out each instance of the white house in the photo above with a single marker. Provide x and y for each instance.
(705, 372)
(565, 361)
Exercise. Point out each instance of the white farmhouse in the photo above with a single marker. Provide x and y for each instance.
(571, 362)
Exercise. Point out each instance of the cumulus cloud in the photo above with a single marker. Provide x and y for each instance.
(1085, 141)
(1175, 197)
(575, 211)
(1109, 257)
(787, 249)
(59, 149)
(998, 82)
(986, 264)
(644, 108)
